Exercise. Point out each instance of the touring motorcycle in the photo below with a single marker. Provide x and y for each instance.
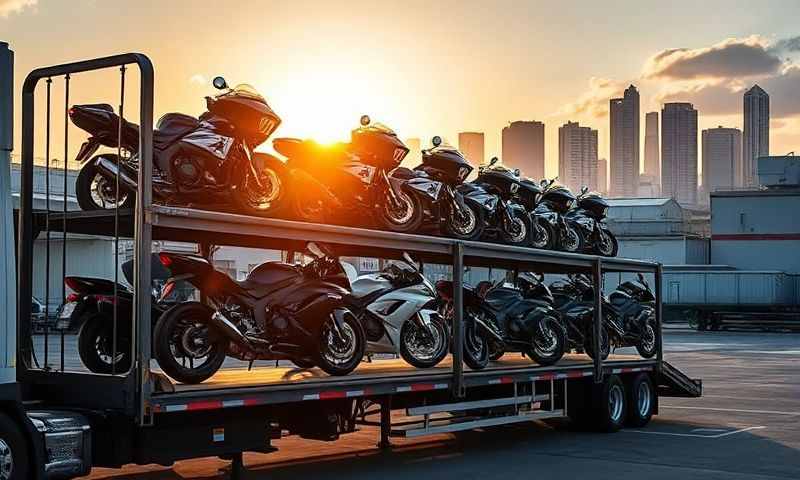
(508, 222)
(397, 308)
(207, 160)
(436, 188)
(587, 218)
(555, 201)
(544, 228)
(280, 311)
(348, 183)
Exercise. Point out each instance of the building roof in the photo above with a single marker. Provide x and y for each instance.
(638, 202)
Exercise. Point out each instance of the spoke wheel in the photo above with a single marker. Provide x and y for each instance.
(262, 197)
(423, 348)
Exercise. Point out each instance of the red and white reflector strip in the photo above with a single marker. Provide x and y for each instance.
(631, 369)
(501, 381)
(421, 387)
(335, 394)
(559, 376)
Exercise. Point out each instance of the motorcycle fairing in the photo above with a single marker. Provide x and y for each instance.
(210, 142)
(365, 173)
(426, 186)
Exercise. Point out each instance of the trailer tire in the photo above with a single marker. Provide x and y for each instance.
(13, 450)
(609, 405)
(641, 401)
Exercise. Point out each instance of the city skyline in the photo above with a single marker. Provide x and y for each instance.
(679, 152)
(624, 165)
(577, 156)
(722, 160)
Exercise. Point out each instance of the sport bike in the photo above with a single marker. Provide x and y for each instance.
(588, 219)
(544, 225)
(348, 183)
(630, 316)
(574, 300)
(280, 311)
(508, 222)
(397, 308)
(196, 161)
(435, 188)
(554, 202)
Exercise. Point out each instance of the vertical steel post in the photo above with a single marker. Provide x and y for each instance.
(458, 319)
(659, 312)
(8, 314)
(597, 273)
(386, 422)
(143, 239)
(64, 211)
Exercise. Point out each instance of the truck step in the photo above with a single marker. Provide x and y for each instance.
(461, 406)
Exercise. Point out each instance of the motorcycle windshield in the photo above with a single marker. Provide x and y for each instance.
(243, 90)
(377, 128)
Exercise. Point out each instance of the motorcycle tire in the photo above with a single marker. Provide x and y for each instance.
(304, 363)
(647, 346)
(543, 235)
(496, 351)
(573, 244)
(95, 343)
(465, 233)
(410, 330)
(476, 347)
(84, 185)
(523, 237)
(181, 316)
(409, 221)
(548, 342)
(613, 247)
(605, 344)
(326, 351)
(266, 203)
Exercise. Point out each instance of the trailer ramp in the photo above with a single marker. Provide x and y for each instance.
(674, 383)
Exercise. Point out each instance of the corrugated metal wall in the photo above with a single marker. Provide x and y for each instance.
(729, 288)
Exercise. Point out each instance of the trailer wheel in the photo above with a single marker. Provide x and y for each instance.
(610, 405)
(13, 451)
(641, 400)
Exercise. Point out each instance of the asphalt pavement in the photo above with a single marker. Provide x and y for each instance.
(746, 426)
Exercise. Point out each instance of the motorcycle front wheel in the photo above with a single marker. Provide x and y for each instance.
(341, 349)
(406, 217)
(605, 344)
(548, 342)
(421, 348)
(96, 192)
(466, 225)
(260, 198)
(184, 346)
(571, 240)
(543, 235)
(607, 245)
(517, 231)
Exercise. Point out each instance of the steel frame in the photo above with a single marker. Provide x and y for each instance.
(153, 221)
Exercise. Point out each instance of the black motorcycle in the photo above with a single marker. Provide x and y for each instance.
(90, 310)
(544, 230)
(280, 311)
(574, 300)
(587, 218)
(478, 334)
(435, 187)
(508, 222)
(555, 201)
(516, 323)
(630, 317)
(197, 161)
(348, 183)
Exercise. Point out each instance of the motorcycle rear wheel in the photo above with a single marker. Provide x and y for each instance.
(434, 350)
(605, 344)
(647, 346)
(95, 346)
(476, 347)
(96, 192)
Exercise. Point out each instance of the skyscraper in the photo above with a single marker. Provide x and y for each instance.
(471, 145)
(414, 156)
(756, 132)
(577, 156)
(652, 161)
(722, 159)
(679, 152)
(523, 147)
(624, 128)
(602, 176)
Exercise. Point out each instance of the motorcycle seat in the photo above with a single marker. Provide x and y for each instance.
(498, 298)
(258, 289)
(171, 127)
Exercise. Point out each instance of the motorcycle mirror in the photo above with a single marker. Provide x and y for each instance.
(219, 83)
(517, 172)
(493, 161)
(315, 250)
(410, 261)
(584, 189)
(543, 182)
(365, 120)
(436, 141)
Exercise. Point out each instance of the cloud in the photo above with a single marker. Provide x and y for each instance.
(731, 58)
(198, 79)
(7, 7)
(594, 102)
(787, 45)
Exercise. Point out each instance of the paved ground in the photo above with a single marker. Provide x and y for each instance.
(747, 426)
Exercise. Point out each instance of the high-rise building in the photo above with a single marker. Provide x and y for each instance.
(679, 152)
(652, 160)
(577, 156)
(756, 132)
(523, 147)
(414, 156)
(624, 128)
(602, 176)
(722, 160)
(471, 145)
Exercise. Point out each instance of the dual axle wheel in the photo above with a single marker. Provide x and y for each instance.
(615, 403)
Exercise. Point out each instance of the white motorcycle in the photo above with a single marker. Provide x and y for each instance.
(397, 308)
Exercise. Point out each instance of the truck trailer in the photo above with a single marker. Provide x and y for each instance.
(57, 421)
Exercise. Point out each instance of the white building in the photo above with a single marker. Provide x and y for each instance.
(722, 160)
(577, 156)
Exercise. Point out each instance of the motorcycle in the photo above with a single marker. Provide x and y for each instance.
(346, 181)
(207, 160)
(588, 219)
(516, 323)
(630, 316)
(280, 311)
(90, 310)
(397, 308)
(508, 221)
(477, 332)
(544, 231)
(554, 203)
(435, 186)
(574, 300)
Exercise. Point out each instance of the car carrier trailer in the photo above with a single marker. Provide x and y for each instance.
(58, 422)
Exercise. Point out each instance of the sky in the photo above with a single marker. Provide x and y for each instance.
(427, 68)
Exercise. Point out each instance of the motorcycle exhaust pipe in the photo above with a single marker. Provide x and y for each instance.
(229, 330)
(127, 175)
